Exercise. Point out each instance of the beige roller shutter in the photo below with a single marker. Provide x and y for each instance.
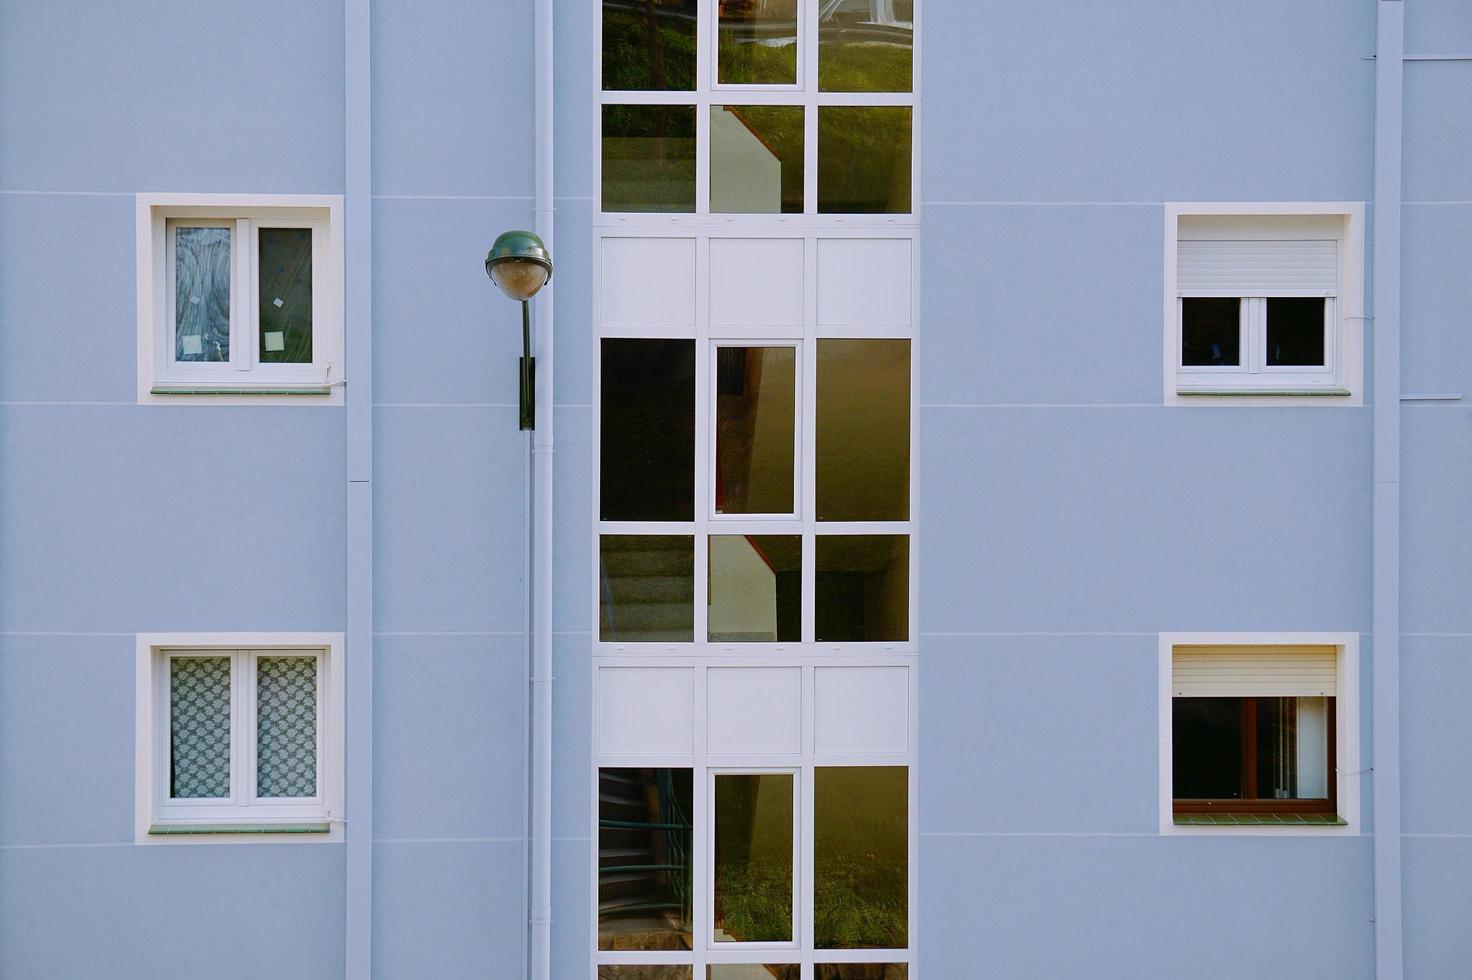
(1261, 268)
(1254, 671)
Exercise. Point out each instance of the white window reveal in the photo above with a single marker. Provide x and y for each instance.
(1262, 300)
(239, 295)
(241, 740)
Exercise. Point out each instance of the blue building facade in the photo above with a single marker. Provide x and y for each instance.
(1079, 521)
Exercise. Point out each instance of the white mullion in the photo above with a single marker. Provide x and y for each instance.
(808, 392)
(242, 296)
(808, 937)
(1257, 332)
(705, 69)
(702, 823)
(663, 96)
(807, 39)
(868, 99)
(704, 437)
(242, 717)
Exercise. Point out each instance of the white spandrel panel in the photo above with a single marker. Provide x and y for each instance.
(754, 710)
(864, 282)
(646, 711)
(647, 282)
(861, 709)
(756, 282)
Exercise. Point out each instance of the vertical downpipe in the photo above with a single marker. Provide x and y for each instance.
(1385, 496)
(541, 715)
(358, 335)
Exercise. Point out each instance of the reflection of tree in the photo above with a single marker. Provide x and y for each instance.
(649, 45)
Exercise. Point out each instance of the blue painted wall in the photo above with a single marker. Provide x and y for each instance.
(1067, 517)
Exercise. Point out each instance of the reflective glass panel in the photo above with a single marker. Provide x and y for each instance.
(649, 158)
(632, 971)
(648, 45)
(1206, 748)
(863, 160)
(865, 46)
(756, 159)
(1263, 748)
(863, 587)
(1211, 332)
(862, 971)
(285, 278)
(753, 858)
(861, 847)
(743, 971)
(199, 727)
(646, 588)
(756, 390)
(758, 42)
(1295, 331)
(201, 294)
(644, 887)
(286, 726)
(647, 449)
(863, 430)
(755, 588)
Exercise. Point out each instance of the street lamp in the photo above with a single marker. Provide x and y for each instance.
(520, 265)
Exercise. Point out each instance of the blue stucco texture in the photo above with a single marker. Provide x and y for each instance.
(171, 95)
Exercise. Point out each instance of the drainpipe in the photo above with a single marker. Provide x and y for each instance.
(1385, 496)
(541, 538)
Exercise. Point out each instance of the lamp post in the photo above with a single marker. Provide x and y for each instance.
(520, 265)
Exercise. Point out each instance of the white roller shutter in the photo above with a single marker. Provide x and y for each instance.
(1254, 671)
(1257, 268)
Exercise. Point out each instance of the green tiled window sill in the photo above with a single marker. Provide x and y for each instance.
(238, 828)
(1259, 820)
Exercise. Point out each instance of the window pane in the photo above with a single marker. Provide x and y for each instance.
(861, 873)
(644, 862)
(755, 588)
(755, 429)
(648, 158)
(201, 294)
(286, 726)
(865, 47)
(863, 587)
(1295, 331)
(1292, 748)
(647, 462)
(862, 971)
(1206, 748)
(199, 727)
(286, 295)
(756, 159)
(631, 971)
(863, 431)
(753, 858)
(743, 971)
(758, 42)
(648, 45)
(863, 160)
(647, 588)
(1211, 331)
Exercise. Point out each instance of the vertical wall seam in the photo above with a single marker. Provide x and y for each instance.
(358, 327)
(1385, 492)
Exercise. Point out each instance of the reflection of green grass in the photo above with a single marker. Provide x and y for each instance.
(861, 905)
(755, 905)
(864, 68)
(628, 65)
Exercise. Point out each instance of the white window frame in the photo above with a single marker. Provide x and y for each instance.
(1348, 774)
(803, 95)
(704, 764)
(242, 379)
(1254, 382)
(158, 818)
(794, 515)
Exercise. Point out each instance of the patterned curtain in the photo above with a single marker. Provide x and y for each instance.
(199, 727)
(286, 726)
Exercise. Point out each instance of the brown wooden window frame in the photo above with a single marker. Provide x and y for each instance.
(1249, 803)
